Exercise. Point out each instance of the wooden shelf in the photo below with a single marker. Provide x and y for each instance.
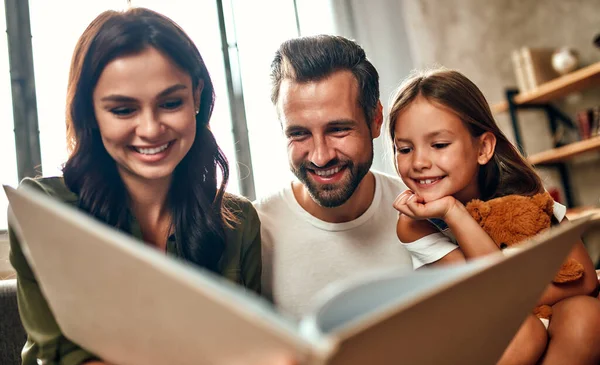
(557, 88)
(562, 153)
(500, 107)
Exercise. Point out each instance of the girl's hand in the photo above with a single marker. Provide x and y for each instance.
(415, 207)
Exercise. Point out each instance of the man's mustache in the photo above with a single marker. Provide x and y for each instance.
(311, 166)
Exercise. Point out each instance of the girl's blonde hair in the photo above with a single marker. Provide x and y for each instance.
(507, 172)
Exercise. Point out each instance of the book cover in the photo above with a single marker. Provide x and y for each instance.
(132, 305)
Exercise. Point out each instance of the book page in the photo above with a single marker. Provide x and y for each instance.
(344, 304)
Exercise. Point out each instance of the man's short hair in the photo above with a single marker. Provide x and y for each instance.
(313, 58)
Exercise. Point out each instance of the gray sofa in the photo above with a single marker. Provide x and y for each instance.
(12, 334)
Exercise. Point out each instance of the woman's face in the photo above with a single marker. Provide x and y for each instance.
(146, 107)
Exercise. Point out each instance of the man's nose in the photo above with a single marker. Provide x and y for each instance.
(322, 152)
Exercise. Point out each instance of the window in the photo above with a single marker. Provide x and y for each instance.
(8, 166)
(258, 41)
(55, 28)
(267, 144)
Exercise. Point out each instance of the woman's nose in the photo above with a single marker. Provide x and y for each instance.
(149, 126)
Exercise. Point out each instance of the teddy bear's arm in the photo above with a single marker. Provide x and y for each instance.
(571, 270)
(586, 286)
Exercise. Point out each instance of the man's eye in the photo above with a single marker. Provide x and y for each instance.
(440, 146)
(172, 104)
(297, 134)
(339, 130)
(122, 111)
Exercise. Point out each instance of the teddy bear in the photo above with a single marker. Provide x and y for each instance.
(511, 219)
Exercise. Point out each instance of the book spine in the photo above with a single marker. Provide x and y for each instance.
(528, 69)
(583, 122)
(517, 61)
(595, 118)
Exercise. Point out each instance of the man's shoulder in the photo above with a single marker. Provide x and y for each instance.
(387, 180)
(271, 201)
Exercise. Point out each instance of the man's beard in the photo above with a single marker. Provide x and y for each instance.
(333, 195)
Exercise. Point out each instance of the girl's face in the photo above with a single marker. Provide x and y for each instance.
(436, 156)
(146, 112)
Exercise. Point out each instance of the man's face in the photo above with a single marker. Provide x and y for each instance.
(330, 145)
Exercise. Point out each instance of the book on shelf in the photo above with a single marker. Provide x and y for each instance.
(517, 62)
(588, 122)
(533, 67)
(595, 116)
(131, 304)
(583, 124)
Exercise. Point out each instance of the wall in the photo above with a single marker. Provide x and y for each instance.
(477, 37)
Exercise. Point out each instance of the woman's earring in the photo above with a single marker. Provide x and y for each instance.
(197, 111)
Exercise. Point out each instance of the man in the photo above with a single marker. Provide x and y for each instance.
(337, 220)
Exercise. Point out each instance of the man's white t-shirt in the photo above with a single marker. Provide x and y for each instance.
(303, 254)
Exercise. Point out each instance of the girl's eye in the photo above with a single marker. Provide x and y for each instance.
(172, 104)
(440, 146)
(122, 111)
(403, 150)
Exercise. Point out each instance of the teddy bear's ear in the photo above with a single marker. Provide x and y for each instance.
(479, 210)
(545, 202)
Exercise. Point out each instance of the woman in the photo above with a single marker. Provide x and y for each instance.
(142, 159)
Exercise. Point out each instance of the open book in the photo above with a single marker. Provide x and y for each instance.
(130, 304)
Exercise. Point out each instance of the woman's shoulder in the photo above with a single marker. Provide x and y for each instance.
(239, 206)
(54, 186)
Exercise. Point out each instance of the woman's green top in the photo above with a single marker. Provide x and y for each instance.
(240, 263)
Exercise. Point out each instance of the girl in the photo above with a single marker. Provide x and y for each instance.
(142, 159)
(448, 151)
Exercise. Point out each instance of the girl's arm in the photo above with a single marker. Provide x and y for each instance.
(471, 238)
(584, 286)
(411, 231)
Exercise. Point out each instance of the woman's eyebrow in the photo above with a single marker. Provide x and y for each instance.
(126, 99)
